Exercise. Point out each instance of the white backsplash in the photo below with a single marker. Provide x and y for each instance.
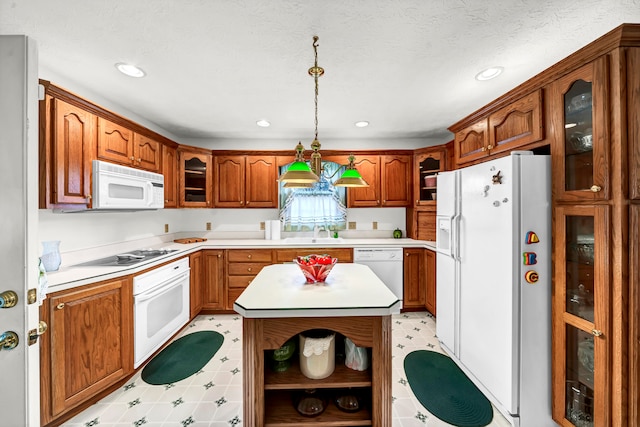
(78, 231)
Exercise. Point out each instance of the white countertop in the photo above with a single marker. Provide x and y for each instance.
(281, 291)
(70, 276)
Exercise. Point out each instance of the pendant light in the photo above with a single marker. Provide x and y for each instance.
(299, 174)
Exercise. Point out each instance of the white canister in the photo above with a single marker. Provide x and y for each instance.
(317, 354)
(275, 229)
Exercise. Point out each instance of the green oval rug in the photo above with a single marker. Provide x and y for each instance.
(445, 391)
(182, 358)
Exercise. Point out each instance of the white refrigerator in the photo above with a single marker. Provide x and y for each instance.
(494, 281)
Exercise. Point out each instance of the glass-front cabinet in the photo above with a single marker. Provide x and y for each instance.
(195, 179)
(580, 116)
(581, 316)
(426, 167)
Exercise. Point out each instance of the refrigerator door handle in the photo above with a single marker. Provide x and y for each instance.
(455, 237)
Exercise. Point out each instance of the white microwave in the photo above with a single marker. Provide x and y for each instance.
(120, 187)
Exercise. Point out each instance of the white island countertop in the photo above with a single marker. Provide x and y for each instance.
(280, 290)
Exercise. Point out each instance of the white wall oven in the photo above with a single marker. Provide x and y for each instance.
(161, 307)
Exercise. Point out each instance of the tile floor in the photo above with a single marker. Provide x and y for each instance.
(213, 396)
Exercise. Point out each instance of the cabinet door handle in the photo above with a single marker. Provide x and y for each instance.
(489, 147)
(60, 306)
(596, 188)
(248, 203)
(249, 256)
(132, 158)
(241, 202)
(219, 255)
(249, 269)
(483, 149)
(596, 332)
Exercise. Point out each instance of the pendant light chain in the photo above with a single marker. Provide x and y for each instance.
(316, 72)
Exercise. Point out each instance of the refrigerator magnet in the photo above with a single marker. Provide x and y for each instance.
(529, 258)
(531, 276)
(531, 237)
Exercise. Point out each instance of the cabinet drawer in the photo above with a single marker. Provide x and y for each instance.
(245, 268)
(287, 255)
(239, 282)
(249, 255)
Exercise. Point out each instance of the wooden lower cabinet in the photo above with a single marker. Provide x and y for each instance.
(419, 280)
(414, 279)
(213, 295)
(89, 345)
(242, 265)
(197, 283)
(287, 255)
(430, 295)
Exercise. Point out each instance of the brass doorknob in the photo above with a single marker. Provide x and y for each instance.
(8, 340)
(8, 299)
(35, 333)
(596, 332)
(595, 188)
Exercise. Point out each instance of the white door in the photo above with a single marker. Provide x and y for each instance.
(20, 401)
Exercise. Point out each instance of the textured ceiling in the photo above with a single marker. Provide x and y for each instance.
(215, 67)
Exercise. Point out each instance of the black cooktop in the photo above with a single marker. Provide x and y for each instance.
(127, 258)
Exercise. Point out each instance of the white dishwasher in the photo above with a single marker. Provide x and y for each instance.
(386, 263)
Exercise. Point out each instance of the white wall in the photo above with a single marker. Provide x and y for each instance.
(78, 231)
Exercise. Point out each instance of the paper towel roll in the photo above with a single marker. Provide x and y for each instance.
(267, 230)
(275, 229)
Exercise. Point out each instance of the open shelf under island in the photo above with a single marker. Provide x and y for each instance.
(279, 304)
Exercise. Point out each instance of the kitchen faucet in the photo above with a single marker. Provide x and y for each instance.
(317, 230)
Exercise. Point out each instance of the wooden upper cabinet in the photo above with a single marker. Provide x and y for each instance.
(261, 189)
(396, 180)
(516, 125)
(169, 171)
(389, 179)
(580, 146)
(471, 142)
(115, 142)
(73, 149)
(229, 172)
(147, 153)
(427, 165)
(369, 168)
(195, 175)
(245, 181)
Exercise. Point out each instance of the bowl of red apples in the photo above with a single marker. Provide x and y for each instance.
(315, 267)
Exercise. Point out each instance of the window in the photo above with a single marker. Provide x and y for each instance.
(324, 205)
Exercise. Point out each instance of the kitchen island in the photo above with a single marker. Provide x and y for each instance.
(278, 305)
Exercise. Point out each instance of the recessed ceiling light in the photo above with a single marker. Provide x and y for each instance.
(362, 124)
(130, 70)
(263, 123)
(489, 73)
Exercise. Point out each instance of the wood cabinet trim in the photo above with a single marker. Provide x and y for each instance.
(623, 35)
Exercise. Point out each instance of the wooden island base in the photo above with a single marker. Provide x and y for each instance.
(267, 395)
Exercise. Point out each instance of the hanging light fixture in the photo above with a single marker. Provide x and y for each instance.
(301, 175)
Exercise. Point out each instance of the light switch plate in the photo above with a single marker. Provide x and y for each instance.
(352, 225)
(208, 226)
(375, 225)
(166, 228)
(262, 225)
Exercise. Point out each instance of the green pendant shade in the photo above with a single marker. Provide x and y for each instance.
(299, 173)
(351, 178)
